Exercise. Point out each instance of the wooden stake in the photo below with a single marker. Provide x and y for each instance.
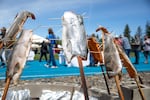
(6, 88)
(140, 90)
(83, 78)
(103, 44)
(140, 79)
(73, 89)
(119, 88)
(106, 83)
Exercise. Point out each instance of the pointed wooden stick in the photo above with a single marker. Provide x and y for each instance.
(72, 92)
(140, 79)
(106, 83)
(6, 88)
(103, 41)
(118, 87)
(83, 78)
(140, 90)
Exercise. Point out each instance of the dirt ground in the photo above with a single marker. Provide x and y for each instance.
(96, 81)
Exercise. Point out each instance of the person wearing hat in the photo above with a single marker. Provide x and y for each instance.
(118, 40)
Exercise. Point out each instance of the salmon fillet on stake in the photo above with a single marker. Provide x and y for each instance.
(15, 28)
(111, 56)
(18, 57)
(73, 36)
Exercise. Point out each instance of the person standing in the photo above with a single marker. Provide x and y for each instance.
(146, 47)
(126, 45)
(136, 47)
(118, 41)
(43, 51)
(3, 32)
(2, 35)
(51, 37)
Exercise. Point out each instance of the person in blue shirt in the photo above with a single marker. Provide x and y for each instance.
(52, 42)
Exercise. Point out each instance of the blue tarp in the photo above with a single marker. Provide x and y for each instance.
(36, 69)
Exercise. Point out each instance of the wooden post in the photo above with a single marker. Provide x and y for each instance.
(141, 92)
(6, 88)
(83, 78)
(119, 88)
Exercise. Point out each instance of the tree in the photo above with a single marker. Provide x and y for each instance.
(97, 36)
(127, 31)
(139, 32)
(148, 29)
(138, 36)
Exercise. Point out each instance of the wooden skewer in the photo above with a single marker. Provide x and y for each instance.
(73, 89)
(103, 45)
(83, 78)
(6, 88)
(118, 87)
(140, 79)
(104, 31)
(106, 83)
(140, 90)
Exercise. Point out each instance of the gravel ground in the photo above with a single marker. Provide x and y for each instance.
(96, 81)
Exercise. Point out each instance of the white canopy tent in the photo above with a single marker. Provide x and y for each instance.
(35, 46)
(38, 39)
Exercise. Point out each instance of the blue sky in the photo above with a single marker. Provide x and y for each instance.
(112, 14)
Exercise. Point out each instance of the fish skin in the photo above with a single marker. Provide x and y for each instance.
(127, 63)
(18, 23)
(111, 56)
(95, 50)
(73, 36)
(16, 27)
(18, 57)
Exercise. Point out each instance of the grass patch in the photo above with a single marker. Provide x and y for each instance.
(37, 56)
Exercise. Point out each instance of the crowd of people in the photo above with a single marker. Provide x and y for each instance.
(136, 47)
(139, 45)
(122, 41)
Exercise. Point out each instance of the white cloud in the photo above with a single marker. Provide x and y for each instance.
(99, 11)
(8, 9)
